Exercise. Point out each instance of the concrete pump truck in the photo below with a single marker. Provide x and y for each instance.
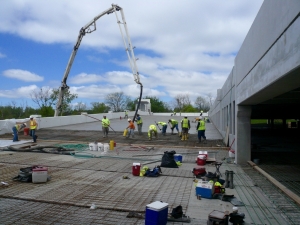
(89, 28)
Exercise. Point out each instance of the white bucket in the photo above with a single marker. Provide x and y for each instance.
(106, 147)
(100, 147)
(93, 146)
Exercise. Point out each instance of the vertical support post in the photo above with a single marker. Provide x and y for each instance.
(243, 134)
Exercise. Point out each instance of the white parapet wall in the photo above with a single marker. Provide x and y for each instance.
(48, 122)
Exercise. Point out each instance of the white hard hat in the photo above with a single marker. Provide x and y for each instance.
(200, 117)
(185, 115)
(235, 209)
(31, 117)
(129, 120)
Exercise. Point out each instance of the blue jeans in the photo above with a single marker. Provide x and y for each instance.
(16, 138)
(164, 129)
(32, 134)
(175, 126)
(201, 133)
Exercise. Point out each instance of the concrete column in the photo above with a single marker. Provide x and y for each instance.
(243, 134)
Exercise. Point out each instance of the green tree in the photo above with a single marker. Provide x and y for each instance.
(157, 105)
(189, 108)
(68, 98)
(46, 111)
(98, 107)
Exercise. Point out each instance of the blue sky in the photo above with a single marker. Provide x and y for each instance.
(183, 47)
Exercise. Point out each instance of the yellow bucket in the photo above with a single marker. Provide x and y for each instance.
(125, 132)
(111, 145)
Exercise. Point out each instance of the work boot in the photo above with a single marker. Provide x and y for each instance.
(204, 142)
(185, 137)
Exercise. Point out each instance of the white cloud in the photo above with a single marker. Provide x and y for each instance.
(84, 78)
(23, 75)
(17, 93)
(2, 55)
(182, 46)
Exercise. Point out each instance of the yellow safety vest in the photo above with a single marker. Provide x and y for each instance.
(185, 123)
(105, 122)
(139, 121)
(33, 124)
(202, 125)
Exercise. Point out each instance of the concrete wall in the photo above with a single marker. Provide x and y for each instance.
(270, 51)
(47, 122)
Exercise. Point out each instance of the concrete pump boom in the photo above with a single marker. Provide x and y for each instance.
(89, 28)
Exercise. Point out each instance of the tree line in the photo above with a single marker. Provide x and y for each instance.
(46, 100)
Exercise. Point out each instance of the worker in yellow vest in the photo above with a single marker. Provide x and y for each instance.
(105, 126)
(174, 124)
(164, 127)
(33, 128)
(16, 129)
(139, 123)
(152, 132)
(201, 130)
(185, 126)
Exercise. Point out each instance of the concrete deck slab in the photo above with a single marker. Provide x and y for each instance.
(92, 177)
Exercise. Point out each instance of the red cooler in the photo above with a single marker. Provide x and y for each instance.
(136, 167)
(201, 160)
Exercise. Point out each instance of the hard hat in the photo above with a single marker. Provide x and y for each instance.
(31, 117)
(129, 120)
(235, 209)
(200, 117)
(185, 115)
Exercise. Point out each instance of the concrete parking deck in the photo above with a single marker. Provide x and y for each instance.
(93, 177)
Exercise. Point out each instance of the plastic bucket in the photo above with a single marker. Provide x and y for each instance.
(100, 147)
(111, 145)
(26, 131)
(93, 147)
(105, 147)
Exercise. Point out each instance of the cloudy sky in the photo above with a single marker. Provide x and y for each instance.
(183, 47)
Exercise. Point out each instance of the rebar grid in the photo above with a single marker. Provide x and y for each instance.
(288, 208)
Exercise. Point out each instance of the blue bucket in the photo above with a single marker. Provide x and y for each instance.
(178, 158)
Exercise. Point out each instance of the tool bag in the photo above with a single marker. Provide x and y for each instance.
(177, 212)
(199, 171)
(168, 160)
(25, 175)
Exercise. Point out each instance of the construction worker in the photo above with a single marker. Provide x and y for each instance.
(126, 114)
(152, 131)
(201, 130)
(163, 127)
(16, 129)
(139, 123)
(130, 128)
(105, 126)
(185, 126)
(174, 124)
(33, 127)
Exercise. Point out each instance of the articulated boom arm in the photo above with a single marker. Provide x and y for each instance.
(89, 28)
